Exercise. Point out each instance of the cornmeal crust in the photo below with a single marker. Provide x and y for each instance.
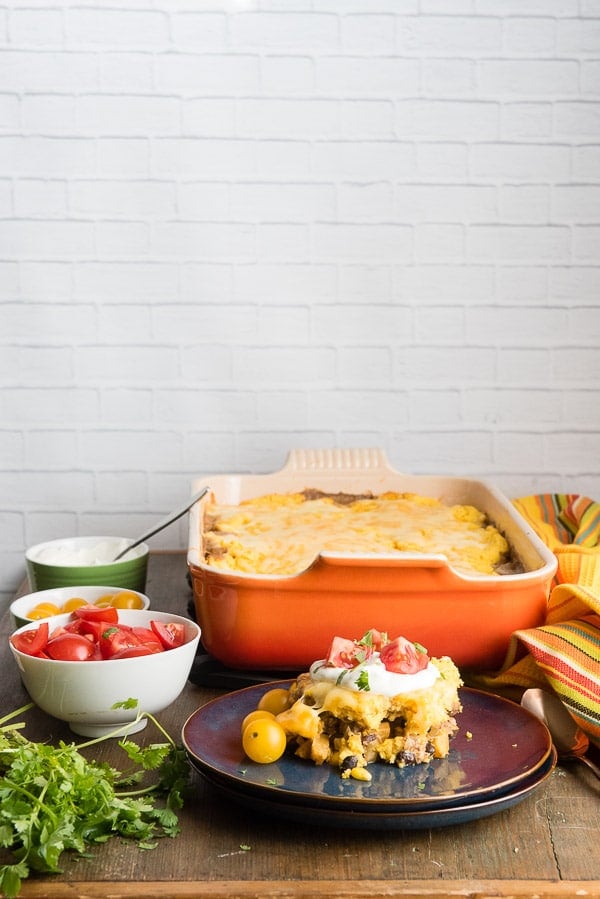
(283, 533)
(350, 729)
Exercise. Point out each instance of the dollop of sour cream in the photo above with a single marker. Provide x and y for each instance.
(373, 677)
(102, 552)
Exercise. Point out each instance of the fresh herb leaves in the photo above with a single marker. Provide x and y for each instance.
(52, 799)
(362, 681)
(373, 639)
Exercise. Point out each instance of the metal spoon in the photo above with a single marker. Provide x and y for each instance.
(168, 519)
(570, 741)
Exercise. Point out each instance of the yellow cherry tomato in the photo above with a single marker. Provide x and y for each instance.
(43, 610)
(276, 700)
(127, 599)
(264, 740)
(104, 601)
(252, 716)
(74, 603)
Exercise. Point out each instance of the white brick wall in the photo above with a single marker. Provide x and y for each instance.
(229, 228)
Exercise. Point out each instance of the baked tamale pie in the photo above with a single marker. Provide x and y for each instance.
(373, 699)
(283, 533)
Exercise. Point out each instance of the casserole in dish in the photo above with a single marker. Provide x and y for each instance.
(285, 622)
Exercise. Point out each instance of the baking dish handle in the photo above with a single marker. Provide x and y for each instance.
(359, 460)
(381, 560)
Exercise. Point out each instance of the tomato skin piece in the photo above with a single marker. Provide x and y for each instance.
(402, 657)
(344, 653)
(97, 613)
(341, 653)
(92, 629)
(376, 638)
(57, 631)
(145, 634)
(33, 641)
(170, 633)
(114, 639)
(132, 652)
(70, 648)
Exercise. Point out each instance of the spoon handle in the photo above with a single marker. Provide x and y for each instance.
(590, 764)
(168, 519)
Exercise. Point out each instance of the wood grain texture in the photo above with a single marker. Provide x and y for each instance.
(545, 846)
(318, 889)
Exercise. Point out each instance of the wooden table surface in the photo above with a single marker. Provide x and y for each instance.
(547, 845)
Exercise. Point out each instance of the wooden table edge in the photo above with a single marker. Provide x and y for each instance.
(311, 889)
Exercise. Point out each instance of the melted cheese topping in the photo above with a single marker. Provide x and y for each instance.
(284, 533)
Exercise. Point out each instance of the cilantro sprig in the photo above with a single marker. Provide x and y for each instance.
(367, 639)
(362, 681)
(53, 799)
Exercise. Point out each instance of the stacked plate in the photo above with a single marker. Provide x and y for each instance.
(500, 755)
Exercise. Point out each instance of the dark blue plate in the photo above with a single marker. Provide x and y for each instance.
(498, 747)
(418, 819)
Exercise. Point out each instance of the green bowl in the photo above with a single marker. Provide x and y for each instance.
(81, 561)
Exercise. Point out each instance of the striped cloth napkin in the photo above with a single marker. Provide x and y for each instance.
(564, 653)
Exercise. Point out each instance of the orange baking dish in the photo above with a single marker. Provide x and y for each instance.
(285, 622)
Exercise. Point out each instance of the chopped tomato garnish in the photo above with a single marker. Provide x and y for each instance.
(345, 653)
(399, 655)
(403, 657)
(374, 638)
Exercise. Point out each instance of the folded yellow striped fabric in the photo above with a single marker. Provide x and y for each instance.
(563, 653)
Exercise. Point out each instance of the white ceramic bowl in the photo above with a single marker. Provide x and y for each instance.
(20, 607)
(73, 561)
(83, 693)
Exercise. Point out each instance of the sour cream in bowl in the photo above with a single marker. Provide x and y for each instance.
(74, 561)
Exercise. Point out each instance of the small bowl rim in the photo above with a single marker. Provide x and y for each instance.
(140, 552)
(14, 607)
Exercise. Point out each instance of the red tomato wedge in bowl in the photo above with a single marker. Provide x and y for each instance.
(90, 612)
(133, 652)
(114, 639)
(170, 633)
(94, 633)
(69, 647)
(32, 642)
